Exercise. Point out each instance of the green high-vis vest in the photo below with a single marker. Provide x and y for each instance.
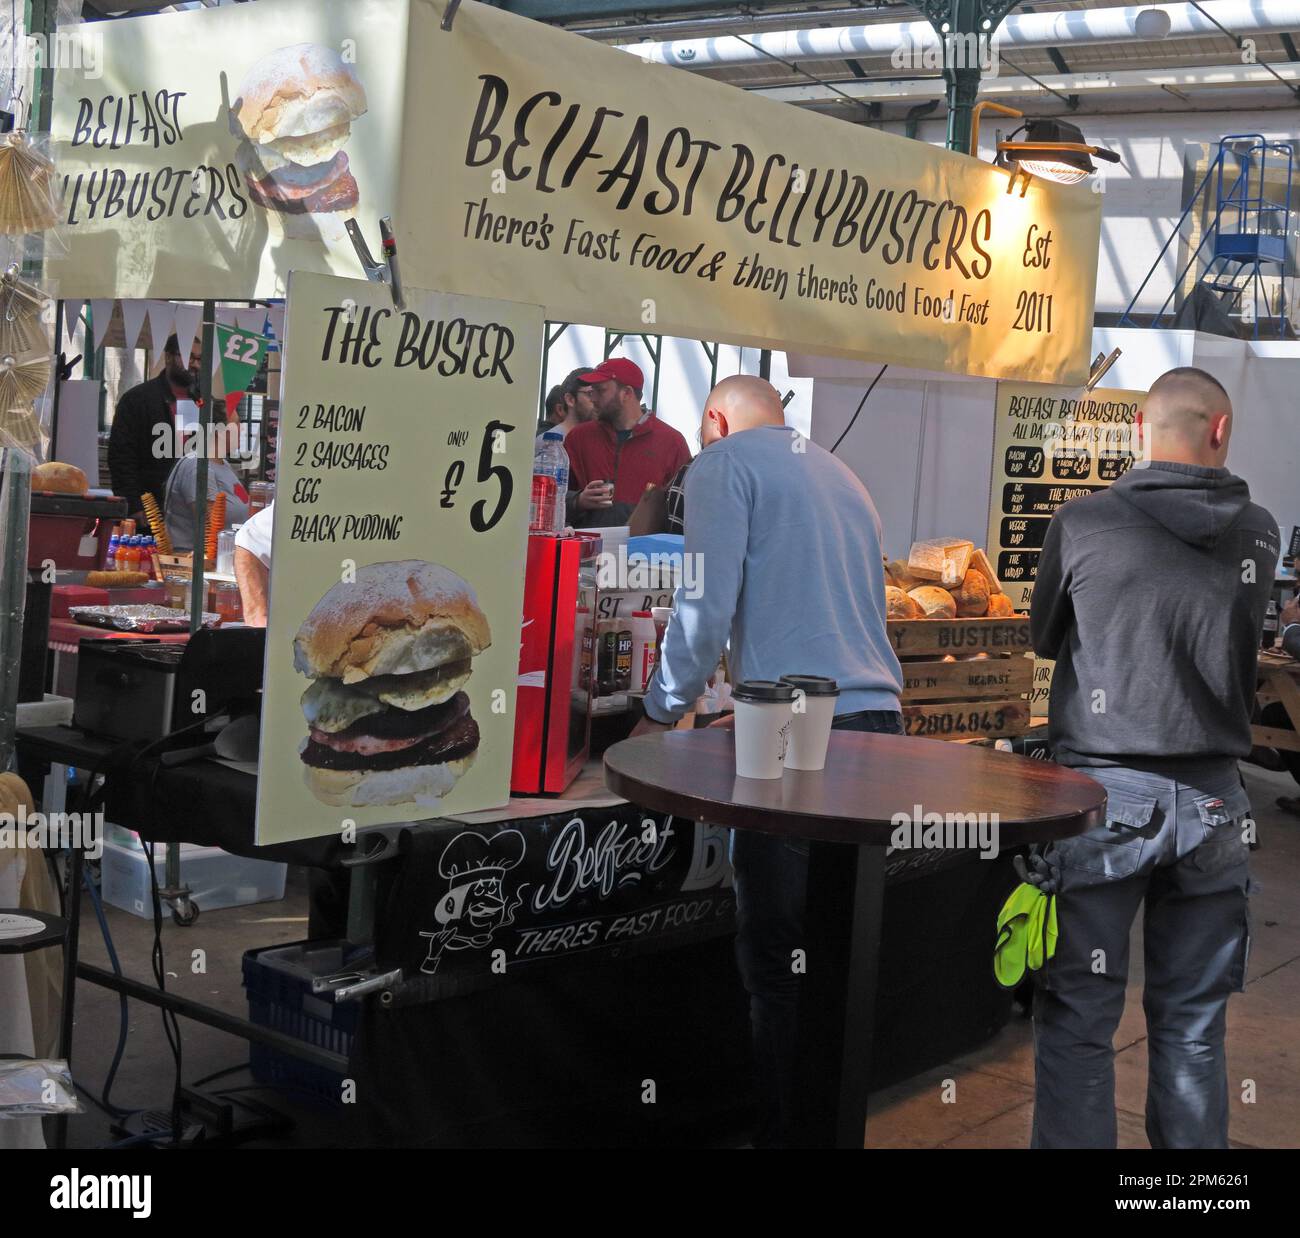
(1026, 934)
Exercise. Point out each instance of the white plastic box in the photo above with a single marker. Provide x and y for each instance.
(216, 878)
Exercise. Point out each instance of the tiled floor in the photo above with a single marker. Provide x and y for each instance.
(985, 1099)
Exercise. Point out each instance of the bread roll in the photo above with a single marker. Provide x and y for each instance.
(901, 577)
(306, 92)
(979, 562)
(58, 478)
(116, 580)
(972, 596)
(1000, 607)
(418, 784)
(899, 606)
(942, 559)
(395, 618)
(935, 602)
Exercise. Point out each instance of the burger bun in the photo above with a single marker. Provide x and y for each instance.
(419, 784)
(298, 91)
(395, 618)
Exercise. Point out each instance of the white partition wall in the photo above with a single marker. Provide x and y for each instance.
(948, 423)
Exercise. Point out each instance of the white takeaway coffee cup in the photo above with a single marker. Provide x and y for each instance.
(763, 720)
(812, 715)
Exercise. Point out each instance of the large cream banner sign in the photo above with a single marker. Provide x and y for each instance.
(220, 149)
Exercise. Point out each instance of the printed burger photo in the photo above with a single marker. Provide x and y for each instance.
(295, 111)
(389, 654)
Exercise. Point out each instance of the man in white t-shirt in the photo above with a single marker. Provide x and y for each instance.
(253, 564)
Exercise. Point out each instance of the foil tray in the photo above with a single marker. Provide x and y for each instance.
(139, 617)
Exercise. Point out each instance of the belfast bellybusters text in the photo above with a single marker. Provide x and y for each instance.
(548, 143)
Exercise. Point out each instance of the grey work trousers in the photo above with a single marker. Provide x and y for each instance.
(1179, 844)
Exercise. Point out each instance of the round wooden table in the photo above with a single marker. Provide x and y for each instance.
(847, 813)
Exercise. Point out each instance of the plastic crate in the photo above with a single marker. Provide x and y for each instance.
(278, 982)
(216, 878)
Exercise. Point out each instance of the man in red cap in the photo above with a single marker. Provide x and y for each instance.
(625, 449)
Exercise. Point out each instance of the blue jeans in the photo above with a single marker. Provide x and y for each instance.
(771, 879)
(1180, 846)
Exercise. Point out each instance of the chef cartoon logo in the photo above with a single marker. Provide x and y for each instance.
(476, 903)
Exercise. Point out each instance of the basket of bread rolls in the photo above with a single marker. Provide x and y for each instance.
(965, 652)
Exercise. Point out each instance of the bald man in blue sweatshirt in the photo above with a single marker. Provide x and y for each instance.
(789, 551)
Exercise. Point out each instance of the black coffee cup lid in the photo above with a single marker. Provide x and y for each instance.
(812, 685)
(763, 690)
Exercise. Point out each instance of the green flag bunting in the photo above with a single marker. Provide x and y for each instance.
(241, 356)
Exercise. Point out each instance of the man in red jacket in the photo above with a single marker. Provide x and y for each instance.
(627, 448)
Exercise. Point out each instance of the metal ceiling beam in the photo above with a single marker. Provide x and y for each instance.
(1174, 81)
(782, 17)
(1053, 53)
(1063, 28)
(594, 10)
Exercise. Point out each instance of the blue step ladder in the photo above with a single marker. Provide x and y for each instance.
(1246, 236)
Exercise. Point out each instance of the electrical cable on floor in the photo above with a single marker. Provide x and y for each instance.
(171, 1027)
(92, 798)
(861, 403)
(104, 1101)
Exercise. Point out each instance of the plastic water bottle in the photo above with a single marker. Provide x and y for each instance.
(110, 558)
(550, 485)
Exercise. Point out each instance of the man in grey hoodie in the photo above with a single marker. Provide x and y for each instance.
(1151, 597)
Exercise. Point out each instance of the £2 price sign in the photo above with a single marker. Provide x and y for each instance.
(241, 354)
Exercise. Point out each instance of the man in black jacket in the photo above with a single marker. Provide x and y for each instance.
(143, 443)
(1151, 597)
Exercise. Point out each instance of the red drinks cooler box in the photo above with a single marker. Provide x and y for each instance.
(556, 663)
(58, 524)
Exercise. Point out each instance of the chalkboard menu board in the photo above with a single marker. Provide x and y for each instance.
(1050, 445)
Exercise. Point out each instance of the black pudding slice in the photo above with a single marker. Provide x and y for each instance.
(455, 741)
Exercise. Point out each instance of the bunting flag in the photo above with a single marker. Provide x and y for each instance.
(241, 355)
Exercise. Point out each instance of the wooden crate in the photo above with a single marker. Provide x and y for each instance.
(1277, 679)
(974, 698)
(958, 636)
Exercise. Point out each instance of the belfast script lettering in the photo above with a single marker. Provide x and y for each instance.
(149, 119)
(549, 144)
